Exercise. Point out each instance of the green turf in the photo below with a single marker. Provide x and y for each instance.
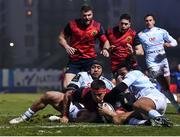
(12, 105)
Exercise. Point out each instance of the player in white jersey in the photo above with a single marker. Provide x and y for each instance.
(153, 40)
(55, 98)
(150, 101)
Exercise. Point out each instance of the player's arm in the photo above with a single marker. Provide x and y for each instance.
(121, 87)
(63, 40)
(66, 104)
(169, 40)
(138, 49)
(103, 39)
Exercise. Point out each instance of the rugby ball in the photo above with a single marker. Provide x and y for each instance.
(105, 118)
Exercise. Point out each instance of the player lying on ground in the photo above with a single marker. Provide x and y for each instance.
(55, 98)
(92, 98)
(150, 101)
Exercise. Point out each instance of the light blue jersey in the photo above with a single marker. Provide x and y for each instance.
(139, 84)
(152, 41)
(85, 80)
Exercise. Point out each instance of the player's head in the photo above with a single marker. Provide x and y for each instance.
(178, 67)
(96, 69)
(125, 22)
(86, 14)
(98, 90)
(149, 21)
(123, 69)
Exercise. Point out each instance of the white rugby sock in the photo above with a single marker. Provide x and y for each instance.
(153, 113)
(28, 114)
(134, 121)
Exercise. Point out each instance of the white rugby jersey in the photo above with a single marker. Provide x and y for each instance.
(152, 41)
(138, 83)
(84, 79)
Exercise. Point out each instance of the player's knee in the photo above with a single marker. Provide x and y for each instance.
(47, 96)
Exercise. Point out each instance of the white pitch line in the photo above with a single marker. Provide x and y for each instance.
(65, 126)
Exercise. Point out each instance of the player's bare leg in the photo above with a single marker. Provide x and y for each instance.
(67, 79)
(52, 98)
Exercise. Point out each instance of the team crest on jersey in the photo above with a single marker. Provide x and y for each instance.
(128, 39)
(94, 33)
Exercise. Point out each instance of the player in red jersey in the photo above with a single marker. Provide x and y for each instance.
(92, 98)
(122, 38)
(78, 38)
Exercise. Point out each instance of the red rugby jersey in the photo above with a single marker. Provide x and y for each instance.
(83, 38)
(84, 96)
(120, 52)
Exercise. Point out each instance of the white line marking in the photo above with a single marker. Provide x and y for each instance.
(65, 126)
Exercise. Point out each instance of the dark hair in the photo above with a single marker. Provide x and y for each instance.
(97, 62)
(86, 8)
(125, 16)
(98, 84)
(126, 64)
(147, 15)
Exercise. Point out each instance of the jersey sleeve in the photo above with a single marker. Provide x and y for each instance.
(129, 79)
(136, 41)
(67, 30)
(168, 38)
(77, 95)
(102, 36)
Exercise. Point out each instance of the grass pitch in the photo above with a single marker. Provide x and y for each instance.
(12, 105)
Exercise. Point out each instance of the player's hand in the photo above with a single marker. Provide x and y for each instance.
(104, 110)
(130, 49)
(105, 52)
(64, 120)
(70, 50)
(167, 45)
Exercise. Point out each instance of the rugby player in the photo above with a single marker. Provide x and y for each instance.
(82, 34)
(55, 98)
(154, 40)
(124, 43)
(149, 101)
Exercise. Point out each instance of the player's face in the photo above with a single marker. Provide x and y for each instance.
(150, 22)
(122, 72)
(98, 97)
(179, 67)
(124, 25)
(96, 70)
(87, 17)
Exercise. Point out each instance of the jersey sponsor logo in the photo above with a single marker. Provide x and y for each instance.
(129, 38)
(94, 33)
(152, 39)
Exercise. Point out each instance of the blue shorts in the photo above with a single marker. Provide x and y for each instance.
(75, 67)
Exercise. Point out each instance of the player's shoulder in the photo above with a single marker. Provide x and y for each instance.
(83, 73)
(103, 78)
(107, 81)
(131, 30)
(135, 73)
(140, 33)
(96, 23)
(159, 29)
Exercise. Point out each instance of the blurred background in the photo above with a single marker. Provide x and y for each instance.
(29, 29)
